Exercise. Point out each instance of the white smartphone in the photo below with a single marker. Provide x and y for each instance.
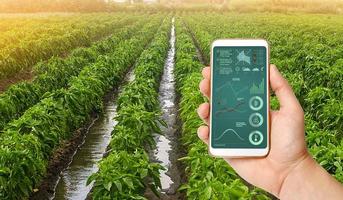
(239, 114)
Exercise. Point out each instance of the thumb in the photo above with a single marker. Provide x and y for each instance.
(283, 91)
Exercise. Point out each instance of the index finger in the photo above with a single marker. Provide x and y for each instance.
(206, 72)
(288, 101)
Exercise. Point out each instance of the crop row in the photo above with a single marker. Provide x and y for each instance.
(55, 74)
(7, 24)
(23, 29)
(15, 57)
(208, 178)
(27, 144)
(126, 172)
(320, 98)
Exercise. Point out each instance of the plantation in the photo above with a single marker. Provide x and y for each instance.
(78, 60)
(22, 47)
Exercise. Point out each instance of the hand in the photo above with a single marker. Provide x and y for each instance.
(288, 150)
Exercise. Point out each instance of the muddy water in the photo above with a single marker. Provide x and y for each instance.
(166, 148)
(72, 181)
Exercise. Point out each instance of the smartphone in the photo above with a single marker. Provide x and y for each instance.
(239, 114)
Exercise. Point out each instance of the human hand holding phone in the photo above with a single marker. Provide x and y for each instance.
(288, 171)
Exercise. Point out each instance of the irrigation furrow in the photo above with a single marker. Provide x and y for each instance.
(138, 116)
(72, 181)
(167, 149)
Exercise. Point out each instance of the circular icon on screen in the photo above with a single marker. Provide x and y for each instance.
(256, 103)
(255, 137)
(256, 119)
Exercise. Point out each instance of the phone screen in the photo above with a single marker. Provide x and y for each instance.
(239, 97)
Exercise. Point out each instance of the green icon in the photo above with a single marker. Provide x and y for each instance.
(257, 89)
(256, 119)
(256, 103)
(255, 137)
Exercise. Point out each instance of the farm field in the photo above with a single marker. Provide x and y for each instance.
(25, 41)
(109, 110)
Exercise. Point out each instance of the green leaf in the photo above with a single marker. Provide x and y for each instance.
(184, 187)
(128, 182)
(108, 186)
(118, 185)
(208, 193)
(144, 173)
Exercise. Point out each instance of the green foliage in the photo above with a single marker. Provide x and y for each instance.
(38, 115)
(24, 47)
(124, 173)
(19, 167)
(59, 114)
(53, 6)
(56, 73)
(138, 120)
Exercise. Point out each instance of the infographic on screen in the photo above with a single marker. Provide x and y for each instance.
(239, 110)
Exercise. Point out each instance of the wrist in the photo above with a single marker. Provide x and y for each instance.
(295, 178)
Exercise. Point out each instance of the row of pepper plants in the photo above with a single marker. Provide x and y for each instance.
(14, 30)
(7, 24)
(25, 53)
(57, 72)
(28, 142)
(127, 172)
(208, 177)
(308, 53)
(20, 29)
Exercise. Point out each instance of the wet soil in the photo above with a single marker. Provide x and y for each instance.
(76, 159)
(72, 181)
(168, 147)
(59, 161)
